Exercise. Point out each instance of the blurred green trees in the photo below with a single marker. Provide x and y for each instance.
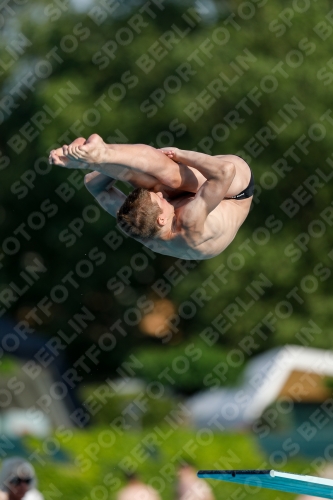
(251, 78)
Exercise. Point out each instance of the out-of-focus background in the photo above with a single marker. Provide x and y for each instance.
(116, 359)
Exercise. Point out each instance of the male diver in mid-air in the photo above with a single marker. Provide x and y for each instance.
(185, 204)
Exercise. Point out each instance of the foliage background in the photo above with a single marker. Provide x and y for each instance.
(50, 27)
(268, 34)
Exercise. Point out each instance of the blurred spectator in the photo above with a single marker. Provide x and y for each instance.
(17, 479)
(190, 487)
(137, 490)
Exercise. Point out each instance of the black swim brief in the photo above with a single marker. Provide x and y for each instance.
(247, 193)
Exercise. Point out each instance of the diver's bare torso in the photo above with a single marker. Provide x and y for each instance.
(220, 227)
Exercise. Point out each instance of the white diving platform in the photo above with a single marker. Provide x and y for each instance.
(274, 480)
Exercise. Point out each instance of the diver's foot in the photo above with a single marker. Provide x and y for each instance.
(93, 151)
(57, 157)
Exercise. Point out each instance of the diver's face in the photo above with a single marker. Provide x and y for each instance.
(166, 207)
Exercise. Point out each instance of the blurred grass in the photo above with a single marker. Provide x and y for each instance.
(98, 457)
